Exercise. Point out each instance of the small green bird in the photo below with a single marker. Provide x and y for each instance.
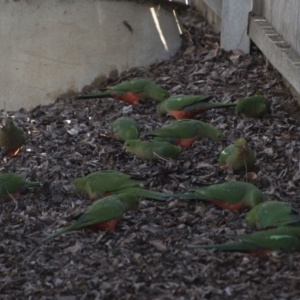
(233, 195)
(107, 182)
(188, 106)
(261, 242)
(99, 183)
(102, 214)
(185, 132)
(124, 129)
(152, 149)
(255, 106)
(238, 156)
(131, 92)
(12, 184)
(272, 214)
(11, 136)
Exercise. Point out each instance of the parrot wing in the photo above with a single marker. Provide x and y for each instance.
(99, 211)
(285, 239)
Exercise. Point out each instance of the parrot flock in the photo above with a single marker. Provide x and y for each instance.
(113, 193)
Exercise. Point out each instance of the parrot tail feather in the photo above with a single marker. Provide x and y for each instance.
(64, 230)
(237, 246)
(95, 95)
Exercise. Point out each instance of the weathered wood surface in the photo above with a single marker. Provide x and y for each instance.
(284, 15)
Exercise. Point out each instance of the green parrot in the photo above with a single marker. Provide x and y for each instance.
(14, 184)
(188, 106)
(238, 156)
(233, 195)
(184, 132)
(124, 129)
(106, 182)
(261, 242)
(255, 106)
(152, 149)
(272, 214)
(102, 214)
(99, 183)
(132, 91)
(12, 137)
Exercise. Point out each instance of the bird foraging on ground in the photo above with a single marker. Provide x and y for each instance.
(11, 136)
(152, 149)
(272, 214)
(261, 242)
(237, 156)
(185, 132)
(255, 106)
(102, 214)
(124, 129)
(233, 195)
(188, 106)
(131, 92)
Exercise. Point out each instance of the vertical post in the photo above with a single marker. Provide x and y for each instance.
(257, 7)
(235, 24)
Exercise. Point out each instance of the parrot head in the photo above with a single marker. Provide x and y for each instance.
(218, 136)
(7, 123)
(155, 92)
(241, 144)
(161, 108)
(130, 145)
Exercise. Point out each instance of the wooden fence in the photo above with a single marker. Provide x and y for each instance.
(284, 16)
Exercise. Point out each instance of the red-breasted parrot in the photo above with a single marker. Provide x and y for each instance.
(272, 214)
(188, 106)
(106, 182)
(261, 242)
(14, 184)
(131, 92)
(102, 214)
(233, 195)
(238, 156)
(124, 129)
(184, 132)
(11, 136)
(255, 106)
(152, 149)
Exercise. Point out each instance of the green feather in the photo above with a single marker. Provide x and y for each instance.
(232, 192)
(11, 136)
(102, 210)
(97, 183)
(282, 238)
(238, 156)
(186, 129)
(189, 103)
(255, 106)
(146, 88)
(152, 149)
(272, 214)
(125, 129)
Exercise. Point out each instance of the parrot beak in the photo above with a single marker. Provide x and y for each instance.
(244, 149)
(124, 149)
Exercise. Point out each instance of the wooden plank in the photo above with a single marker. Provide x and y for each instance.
(276, 50)
(284, 17)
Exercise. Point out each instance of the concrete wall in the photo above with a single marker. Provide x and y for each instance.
(51, 47)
